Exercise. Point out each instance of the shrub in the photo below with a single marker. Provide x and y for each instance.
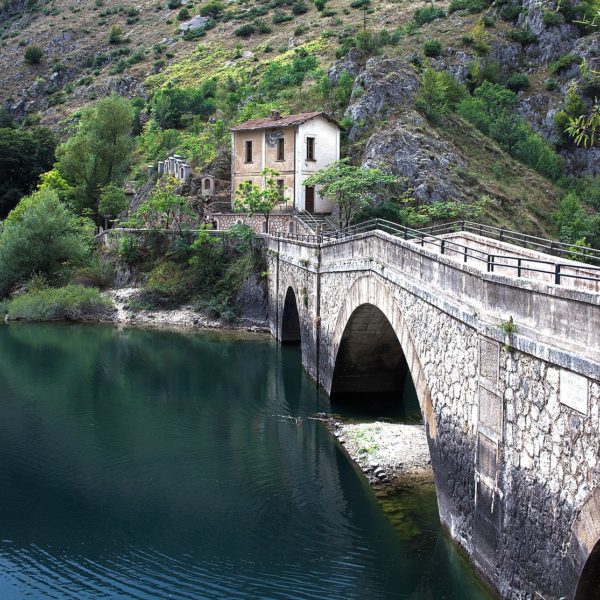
(245, 30)
(98, 274)
(510, 11)
(213, 9)
(489, 21)
(183, 14)
(522, 36)
(552, 18)
(471, 6)
(261, 26)
(33, 55)
(299, 7)
(320, 4)
(173, 4)
(130, 249)
(550, 84)
(300, 30)
(280, 17)
(71, 302)
(563, 62)
(428, 14)
(517, 82)
(115, 35)
(432, 48)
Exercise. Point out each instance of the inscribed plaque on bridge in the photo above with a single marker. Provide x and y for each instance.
(574, 391)
(491, 413)
(489, 359)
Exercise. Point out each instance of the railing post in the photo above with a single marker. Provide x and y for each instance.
(519, 267)
(490, 263)
(462, 225)
(405, 232)
(502, 234)
(442, 246)
(557, 274)
(552, 247)
(480, 229)
(423, 240)
(466, 254)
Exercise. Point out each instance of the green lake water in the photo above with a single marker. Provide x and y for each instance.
(140, 464)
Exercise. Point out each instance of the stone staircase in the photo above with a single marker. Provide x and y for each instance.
(314, 223)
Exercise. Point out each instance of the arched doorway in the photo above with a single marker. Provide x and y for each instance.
(290, 319)
(589, 582)
(371, 371)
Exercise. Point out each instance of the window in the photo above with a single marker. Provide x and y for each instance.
(248, 147)
(281, 188)
(280, 148)
(310, 148)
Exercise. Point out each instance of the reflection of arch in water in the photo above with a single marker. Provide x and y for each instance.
(290, 319)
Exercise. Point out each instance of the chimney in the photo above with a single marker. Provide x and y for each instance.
(275, 115)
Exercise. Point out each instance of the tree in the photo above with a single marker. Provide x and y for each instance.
(99, 153)
(252, 199)
(574, 225)
(352, 188)
(585, 129)
(24, 156)
(112, 202)
(42, 236)
(33, 55)
(164, 209)
(115, 35)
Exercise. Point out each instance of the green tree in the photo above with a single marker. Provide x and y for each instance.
(43, 237)
(24, 156)
(115, 35)
(165, 209)
(112, 202)
(33, 55)
(213, 9)
(574, 224)
(253, 199)
(99, 153)
(352, 188)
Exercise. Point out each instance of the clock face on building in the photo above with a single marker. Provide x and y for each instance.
(272, 136)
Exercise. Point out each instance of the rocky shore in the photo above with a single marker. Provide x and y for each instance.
(126, 313)
(389, 454)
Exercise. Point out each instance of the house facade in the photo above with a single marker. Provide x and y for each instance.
(295, 146)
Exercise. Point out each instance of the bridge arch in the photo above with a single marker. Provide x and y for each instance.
(370, 306)
(290, 319)
(585, 549)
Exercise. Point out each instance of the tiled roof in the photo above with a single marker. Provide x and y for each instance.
(268, 122)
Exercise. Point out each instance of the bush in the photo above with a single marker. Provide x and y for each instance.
(245, 30)
(517, 82)
(432, 48)
(471, 6)
(280, 17)
(489, 21)
(320, 4)
(173, 4)
(130, 249)
(98, 274)
(550, 84)
(213, 9)
(115, 35)
(33, 55)
(510, 11)
(552, 18)
(72, 302)
(261, 26)
(299, 7)
(183, 14)
(428, 14)
(522, 36)
(563, 62)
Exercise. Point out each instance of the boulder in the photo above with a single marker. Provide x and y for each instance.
(352, 63)
(197, 22)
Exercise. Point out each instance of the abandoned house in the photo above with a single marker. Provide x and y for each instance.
(295, 146)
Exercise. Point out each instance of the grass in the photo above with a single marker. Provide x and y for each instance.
(71, 303)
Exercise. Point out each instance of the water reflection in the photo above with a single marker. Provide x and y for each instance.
(140, 464)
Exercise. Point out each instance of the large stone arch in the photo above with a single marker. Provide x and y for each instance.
(369, 290)
(582, 572)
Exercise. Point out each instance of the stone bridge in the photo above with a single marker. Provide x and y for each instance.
(506, 365)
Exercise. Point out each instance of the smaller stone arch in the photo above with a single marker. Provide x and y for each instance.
(290, 319)
(291, 227)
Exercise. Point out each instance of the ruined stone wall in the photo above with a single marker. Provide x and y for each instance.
(512, 421)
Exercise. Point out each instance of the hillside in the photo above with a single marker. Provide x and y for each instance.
(362, 61)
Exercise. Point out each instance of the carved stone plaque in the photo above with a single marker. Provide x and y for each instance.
(486, 456)
(574, 391)
(489, 359)
(491, 412)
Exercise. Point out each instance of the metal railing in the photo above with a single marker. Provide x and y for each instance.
(520, 266)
